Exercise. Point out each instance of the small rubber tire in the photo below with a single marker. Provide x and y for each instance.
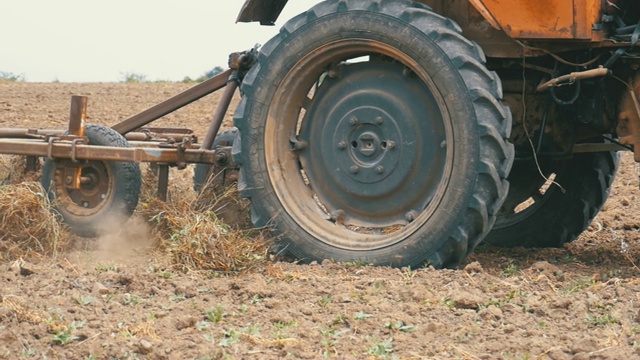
(554, 217)
(108, 200)
(287, 159)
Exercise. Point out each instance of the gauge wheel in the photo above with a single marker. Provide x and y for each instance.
(108, 195)
(372, 131)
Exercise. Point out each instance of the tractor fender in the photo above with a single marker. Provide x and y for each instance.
(264, 11)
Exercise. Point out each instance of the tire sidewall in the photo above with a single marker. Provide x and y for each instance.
(452, 89)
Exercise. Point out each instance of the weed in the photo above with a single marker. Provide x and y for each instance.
(399, 325)
(578, 285)
(102, 267)
(215, 314)
(325, 301)
(65, 335)
(178, 297)
(288, 324)
(357, 263)
(340, 319)
(448, 302)
(601, 320)
(362, 316)
(510, 270)
(408, 274)
(84, 300)
(330, 340)
(167, 275)
(28, 353)
(381, 349)
(202, 325)
(128, 299)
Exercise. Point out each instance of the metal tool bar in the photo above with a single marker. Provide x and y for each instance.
(597, 147)
(22, 133)
(218, 115)
(77, 118)
(168, 106)
(68, 150)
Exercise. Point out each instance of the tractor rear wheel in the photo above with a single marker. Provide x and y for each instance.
(372, 131)
(539, 213)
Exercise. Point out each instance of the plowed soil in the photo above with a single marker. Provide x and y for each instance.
(120, 302)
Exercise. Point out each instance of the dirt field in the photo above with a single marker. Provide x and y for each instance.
(120, 301)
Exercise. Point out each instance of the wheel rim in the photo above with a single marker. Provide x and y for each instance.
(358, 169)
(94, 192)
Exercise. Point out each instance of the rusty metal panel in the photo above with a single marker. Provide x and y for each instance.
(542, 19)
(264, 11)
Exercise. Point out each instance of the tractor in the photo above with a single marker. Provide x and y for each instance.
(391, 132)
(406, 132)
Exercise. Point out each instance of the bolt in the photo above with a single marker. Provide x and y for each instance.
(379, 120)
(342, 145)
(221, 158)
(354, 121)
(338, 216)
(354, 169)
(380, 169)
(299, 145)
(391, 144)
(69, 180)
(411, 215)
(332, 74)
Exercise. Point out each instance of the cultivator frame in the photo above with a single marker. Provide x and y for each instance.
(162, 147)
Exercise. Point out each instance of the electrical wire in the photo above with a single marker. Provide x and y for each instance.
(524, 124)
(558, 58)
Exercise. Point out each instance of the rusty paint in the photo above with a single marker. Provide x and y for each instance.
(542, 19)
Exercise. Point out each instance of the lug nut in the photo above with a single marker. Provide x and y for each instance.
(354, 169)
(354, 121)
(380, 169)
(379, 120)
(411, 215)
(342, 145)
(391, 144)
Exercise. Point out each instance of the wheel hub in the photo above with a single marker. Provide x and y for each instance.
(377, 145)
(367, 158)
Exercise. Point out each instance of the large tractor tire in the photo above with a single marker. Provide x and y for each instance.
(372, 131)
(539, 213)
(104, 202)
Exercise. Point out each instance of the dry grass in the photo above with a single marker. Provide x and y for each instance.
(192, 234)
(186, 226)
(12, 170)
(28, 227)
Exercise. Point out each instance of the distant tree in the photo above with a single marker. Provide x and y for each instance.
(9, 76)
(211, 73)
(131, 77)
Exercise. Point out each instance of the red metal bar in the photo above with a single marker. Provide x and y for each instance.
(218, 115)
(77, 118)
(65, 149)
(170, 105)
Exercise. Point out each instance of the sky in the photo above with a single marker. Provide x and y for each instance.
(101, 41)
